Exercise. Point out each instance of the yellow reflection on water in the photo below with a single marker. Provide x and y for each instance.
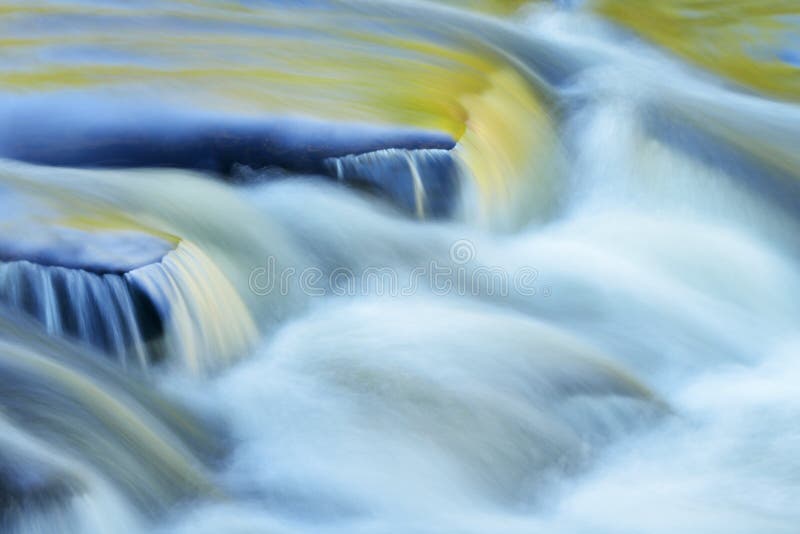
(738, 39)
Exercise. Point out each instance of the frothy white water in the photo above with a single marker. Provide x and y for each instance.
(388, 409)
(646, 385)
(726, 463)
(402, 414)
(487, 413)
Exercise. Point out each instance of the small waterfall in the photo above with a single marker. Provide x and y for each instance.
(206, 324)
(588, 323)
(422, 182)
(181, 309)
(100, 310)
(474, 84)
(193, 306)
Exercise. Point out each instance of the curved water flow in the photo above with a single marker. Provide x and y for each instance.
(78, 433)
(399, 266)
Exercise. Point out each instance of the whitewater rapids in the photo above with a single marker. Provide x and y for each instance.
(643, 379)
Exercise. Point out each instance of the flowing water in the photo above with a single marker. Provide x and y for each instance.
(399, 266)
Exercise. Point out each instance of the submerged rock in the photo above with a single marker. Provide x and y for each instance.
(103, 252)
(76, 284)
(390, 160)
(115, 136)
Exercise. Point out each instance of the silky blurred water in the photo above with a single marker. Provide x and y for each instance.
(641, 379)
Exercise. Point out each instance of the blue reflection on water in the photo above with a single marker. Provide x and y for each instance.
(790, 56)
